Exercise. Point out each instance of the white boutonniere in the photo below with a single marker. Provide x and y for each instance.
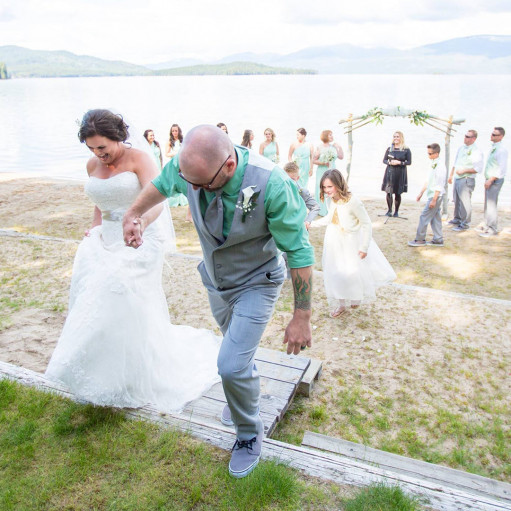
(469, 153)
(249, 201)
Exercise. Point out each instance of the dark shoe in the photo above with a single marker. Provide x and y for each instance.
(245, 456)
(453, 222)
(395, 214)
(434, 243)
(417, 243)
(388, 213)
(225, 416)
(460, 228)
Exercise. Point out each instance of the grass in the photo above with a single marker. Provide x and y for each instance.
(381, 497)
(55, 454)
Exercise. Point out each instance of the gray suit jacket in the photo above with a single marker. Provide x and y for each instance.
(311, 204)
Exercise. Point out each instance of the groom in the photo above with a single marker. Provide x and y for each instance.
(244, 209)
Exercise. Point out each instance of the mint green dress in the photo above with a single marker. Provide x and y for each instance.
(301, 156)
(270, 152)
(175, 198)
(329, 156)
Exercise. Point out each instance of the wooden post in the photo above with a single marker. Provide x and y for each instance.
(350, 146)
(445, 201)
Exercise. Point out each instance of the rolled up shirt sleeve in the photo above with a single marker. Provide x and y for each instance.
(169, 182)
(286, 212)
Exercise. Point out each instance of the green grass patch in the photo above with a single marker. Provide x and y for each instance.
(56, 454)
(381, 497)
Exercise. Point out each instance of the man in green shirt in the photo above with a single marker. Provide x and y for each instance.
(245, 210)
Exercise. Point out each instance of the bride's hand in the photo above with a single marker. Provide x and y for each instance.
(132, 228)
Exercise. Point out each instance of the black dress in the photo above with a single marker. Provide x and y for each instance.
(395, 179)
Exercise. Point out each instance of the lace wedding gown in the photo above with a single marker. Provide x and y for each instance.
(118, 347)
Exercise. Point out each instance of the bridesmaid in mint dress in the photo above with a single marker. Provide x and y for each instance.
(301, 153)
(171, 149)
(325, 157)
(269, 148)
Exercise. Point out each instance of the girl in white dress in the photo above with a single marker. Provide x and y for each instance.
(353, 265)
(118, 347)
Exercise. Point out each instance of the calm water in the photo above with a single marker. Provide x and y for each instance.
(38, 116)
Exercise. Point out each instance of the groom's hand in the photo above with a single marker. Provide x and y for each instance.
(132, 230)
(298, 334)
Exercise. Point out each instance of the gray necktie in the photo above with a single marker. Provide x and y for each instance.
(214, 217)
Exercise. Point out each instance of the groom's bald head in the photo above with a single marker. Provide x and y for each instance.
(204, 149)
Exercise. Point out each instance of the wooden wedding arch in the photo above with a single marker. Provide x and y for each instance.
(418, 117)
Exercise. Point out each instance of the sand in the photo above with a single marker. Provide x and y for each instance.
(439, 339)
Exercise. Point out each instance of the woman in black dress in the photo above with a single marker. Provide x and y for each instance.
(395, 180)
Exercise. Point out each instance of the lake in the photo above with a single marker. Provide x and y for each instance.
(38, 117)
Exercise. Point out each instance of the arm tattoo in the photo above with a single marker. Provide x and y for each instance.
(303, 292)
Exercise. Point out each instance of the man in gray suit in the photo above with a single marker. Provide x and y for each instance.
(246, 211)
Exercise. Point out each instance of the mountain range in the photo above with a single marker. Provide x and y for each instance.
(482, 54)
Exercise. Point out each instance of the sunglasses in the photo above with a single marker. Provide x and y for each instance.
(211, 182)
(469, 136)
(431, 154)
(496, 134)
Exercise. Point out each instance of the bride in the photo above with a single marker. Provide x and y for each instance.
(118, 347)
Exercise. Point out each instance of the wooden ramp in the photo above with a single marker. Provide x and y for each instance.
(280, 377)
(325, 465)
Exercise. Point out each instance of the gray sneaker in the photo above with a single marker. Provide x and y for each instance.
(460, 228)
(225, 416)
(434, 243)
(245, 456)
(489, 233)
(417, 243)
(453, 222)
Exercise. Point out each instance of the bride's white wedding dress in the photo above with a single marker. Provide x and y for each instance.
(118, 347)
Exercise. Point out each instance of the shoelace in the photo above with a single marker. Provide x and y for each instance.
(240, 444)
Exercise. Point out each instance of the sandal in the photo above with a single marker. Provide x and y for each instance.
(338, 312)
(355, 306)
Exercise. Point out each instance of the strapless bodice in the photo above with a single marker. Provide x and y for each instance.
(114, 194)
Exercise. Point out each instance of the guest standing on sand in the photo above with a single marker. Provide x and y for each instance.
(269, 148)
(434, 188)
(325, 157)
(467, 164)
(301, 153)
(353, 264)
(395, 180)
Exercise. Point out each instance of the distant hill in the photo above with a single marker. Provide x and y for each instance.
(25, 63)
(232, 68)
(484, 54)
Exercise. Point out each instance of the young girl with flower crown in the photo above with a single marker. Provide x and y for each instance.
(353, 265)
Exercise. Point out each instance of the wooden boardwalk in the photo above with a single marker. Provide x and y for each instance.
(337, 468)
(280, 376)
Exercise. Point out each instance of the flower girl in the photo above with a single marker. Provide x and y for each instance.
(353, 265)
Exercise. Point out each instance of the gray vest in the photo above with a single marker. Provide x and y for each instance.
(249, 248)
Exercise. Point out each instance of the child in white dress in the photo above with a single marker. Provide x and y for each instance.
(353, 265)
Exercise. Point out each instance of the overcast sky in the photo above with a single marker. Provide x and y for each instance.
(152, 31)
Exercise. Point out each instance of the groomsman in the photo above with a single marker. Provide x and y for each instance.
(245, 210)
(434, 188)
(468, 163)
(494, 173)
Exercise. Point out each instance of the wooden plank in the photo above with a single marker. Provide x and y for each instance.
(207, 411)
(279, 372)
(310, 377)
(282, 358)
(341, 470)
(415, 468)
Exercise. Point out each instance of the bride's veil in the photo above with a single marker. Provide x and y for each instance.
(137, 141)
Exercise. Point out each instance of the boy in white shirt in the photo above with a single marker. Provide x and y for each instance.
(434, 188)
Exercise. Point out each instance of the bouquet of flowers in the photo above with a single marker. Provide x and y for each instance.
(328, 156)
(275, 158)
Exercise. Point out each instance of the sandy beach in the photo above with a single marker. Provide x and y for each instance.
(438, 341)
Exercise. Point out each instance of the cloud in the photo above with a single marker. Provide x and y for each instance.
(333, 12)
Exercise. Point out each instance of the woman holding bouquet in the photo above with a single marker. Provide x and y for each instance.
(395, 180)
(325, 156)
(269, 148)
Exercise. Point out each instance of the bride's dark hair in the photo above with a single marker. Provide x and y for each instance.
(103, 123)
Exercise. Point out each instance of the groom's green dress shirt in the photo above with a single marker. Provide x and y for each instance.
(284, 208)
